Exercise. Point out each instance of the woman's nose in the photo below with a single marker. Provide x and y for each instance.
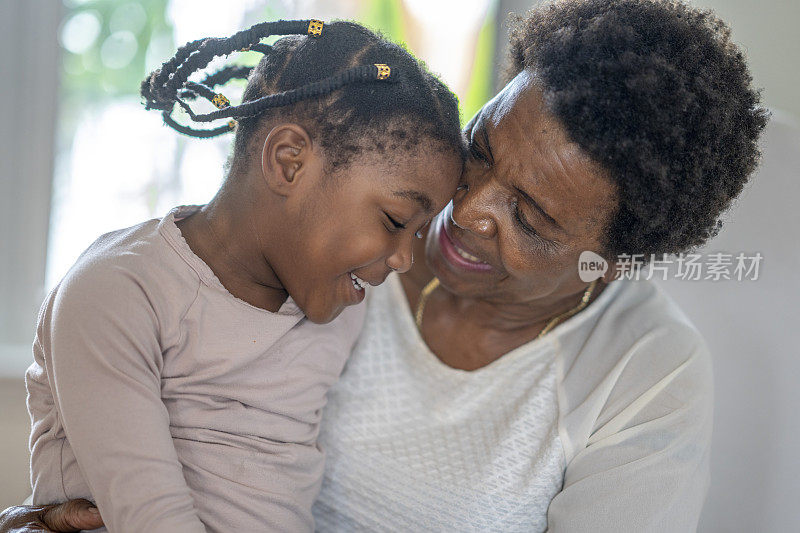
(473, 209)
(403, 257)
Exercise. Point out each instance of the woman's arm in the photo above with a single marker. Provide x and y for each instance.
(99, 339)
(645, 466)
(67, 517)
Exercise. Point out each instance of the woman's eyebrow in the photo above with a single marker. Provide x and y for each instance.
(485, 134)
(421, 198)
(480, 128)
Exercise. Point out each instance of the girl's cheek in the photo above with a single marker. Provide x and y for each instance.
(368, 248)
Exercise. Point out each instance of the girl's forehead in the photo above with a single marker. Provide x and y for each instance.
(421, 169)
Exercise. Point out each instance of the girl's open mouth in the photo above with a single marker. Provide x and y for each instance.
(358, 283)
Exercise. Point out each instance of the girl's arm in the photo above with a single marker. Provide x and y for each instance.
(100, 336)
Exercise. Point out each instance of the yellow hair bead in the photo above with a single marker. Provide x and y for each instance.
(384, 71)
(232, 124)
(315, 27)
(220, 101)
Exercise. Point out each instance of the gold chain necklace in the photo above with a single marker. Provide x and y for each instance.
(434, 283)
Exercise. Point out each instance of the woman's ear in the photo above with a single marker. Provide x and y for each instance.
(287, 158)
(611, 272)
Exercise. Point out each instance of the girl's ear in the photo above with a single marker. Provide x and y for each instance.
(287, 158)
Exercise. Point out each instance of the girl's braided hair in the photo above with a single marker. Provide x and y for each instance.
(351, 89)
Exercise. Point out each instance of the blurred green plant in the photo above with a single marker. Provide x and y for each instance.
(109, 45)
(386, 16)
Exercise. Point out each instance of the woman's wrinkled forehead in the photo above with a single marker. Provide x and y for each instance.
(521, 103)
(503, 103)
(532, 150)
(520, 113)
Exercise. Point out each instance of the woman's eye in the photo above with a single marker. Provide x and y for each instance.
(549, 245)
(523, 222)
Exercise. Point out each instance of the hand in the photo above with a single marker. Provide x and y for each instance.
(66, 517)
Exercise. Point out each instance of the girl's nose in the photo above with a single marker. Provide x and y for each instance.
(403, 257)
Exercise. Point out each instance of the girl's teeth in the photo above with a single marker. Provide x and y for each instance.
(358, 283)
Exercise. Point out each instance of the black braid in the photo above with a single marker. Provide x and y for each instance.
(160, 89)
(261, 47)
(201, 134)
(330, 84)
(364, 73)
(222, 76)
(152, 86)
(192, 89)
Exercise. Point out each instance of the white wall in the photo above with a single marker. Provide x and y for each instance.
(753, 331)
(29, 63)
(768, 33)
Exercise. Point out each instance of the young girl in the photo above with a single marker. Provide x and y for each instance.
(181, 366)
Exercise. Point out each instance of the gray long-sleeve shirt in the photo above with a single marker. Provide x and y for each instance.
(169, 402)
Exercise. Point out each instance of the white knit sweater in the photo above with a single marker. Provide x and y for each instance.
(604, 424)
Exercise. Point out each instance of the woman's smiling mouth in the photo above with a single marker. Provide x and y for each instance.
(455, 254)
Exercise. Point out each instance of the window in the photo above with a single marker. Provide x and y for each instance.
(115, 165)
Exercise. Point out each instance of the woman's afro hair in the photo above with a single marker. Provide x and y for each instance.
(656, 92)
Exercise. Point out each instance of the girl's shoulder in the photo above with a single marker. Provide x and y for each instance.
(130, 269)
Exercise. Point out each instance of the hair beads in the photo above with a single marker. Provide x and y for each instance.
(351, 89)
(163, 89)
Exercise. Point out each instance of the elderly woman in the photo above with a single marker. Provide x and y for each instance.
(494, 390)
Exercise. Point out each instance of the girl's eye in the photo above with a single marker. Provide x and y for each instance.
(395, 223)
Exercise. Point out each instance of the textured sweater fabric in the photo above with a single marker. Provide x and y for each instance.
(172, 404)
(602, 425)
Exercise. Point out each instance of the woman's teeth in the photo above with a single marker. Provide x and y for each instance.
(465, 255)
(358, 283)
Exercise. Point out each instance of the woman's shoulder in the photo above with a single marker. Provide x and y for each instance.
(630, 316)
(638, 359)
(645, 334)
